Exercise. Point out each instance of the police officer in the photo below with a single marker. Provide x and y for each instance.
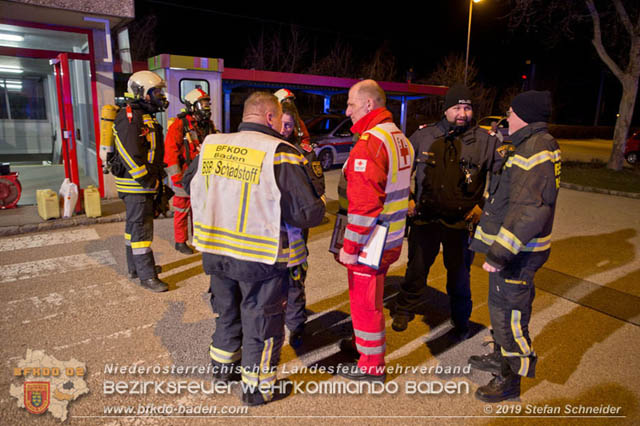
(452, 161)
(515, 233)
(245, 241)
(138, 170)
(182, 145)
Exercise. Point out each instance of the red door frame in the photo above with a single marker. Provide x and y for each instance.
(67, 124)
(52, 54)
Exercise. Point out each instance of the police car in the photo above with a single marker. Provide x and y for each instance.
(331, 138)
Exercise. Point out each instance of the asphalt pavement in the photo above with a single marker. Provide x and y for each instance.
(65, 292)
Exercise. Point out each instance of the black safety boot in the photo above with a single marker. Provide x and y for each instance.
(154, 284)
(503, 386)
(348, 347)
(401, 321)
(226, 373)
(296, 338)
(252, 396)
(491, 362)
(351, 371)
(183, 248)
(133, 275)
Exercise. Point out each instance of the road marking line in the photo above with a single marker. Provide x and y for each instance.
(48, 239)
(58, 265)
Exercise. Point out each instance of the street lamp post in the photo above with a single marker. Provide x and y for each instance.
(466, 63)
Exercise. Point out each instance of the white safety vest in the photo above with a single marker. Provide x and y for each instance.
(235, 199)
(400, 153)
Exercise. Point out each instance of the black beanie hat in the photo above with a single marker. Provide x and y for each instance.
(532, 106)
(457, 94)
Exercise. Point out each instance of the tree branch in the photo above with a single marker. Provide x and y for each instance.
(597, 41)
(624, 17)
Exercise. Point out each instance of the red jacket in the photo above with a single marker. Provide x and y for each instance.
(366, 189)
(175, 155)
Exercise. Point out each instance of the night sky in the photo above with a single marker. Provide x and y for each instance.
(419, 37)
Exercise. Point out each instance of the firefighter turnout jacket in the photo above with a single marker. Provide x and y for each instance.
(138, 168)
(248, 191)
(182, 145)
(378, 176)
(518, 216)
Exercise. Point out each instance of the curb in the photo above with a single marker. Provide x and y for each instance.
(575, 187)
(60, 223)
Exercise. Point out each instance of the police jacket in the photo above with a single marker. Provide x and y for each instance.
(180, 150)
(139, 167)
(518, 216)
(451, 169)
(300, 207)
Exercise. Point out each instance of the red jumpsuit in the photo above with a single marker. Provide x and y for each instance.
(366, 197)
(177, 160)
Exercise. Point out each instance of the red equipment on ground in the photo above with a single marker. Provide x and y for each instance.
(10, 190)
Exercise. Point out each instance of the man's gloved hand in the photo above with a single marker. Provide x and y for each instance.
(161, 201)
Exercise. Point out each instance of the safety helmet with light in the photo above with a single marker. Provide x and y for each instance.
(198, 103)
(284, 95)
(146, 83)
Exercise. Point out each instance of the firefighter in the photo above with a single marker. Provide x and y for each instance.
(182, 144)
(137, 166)
(296, 315)
(286, 97)
(515, 234)
(245, 242)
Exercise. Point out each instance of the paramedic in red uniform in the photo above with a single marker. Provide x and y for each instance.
(182, 144)
(377, 176)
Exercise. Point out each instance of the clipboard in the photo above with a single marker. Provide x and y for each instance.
(371, 253)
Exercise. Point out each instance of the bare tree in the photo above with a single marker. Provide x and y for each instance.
(277, 51)
(616, 39)
(451, 71)
(142, 37)
(338, 63)
(382, 66)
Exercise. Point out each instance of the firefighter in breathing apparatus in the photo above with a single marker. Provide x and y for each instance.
(138, 168)
(182, 144)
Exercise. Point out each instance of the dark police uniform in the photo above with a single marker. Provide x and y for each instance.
(138, 171)
(451, 168)
(515, 233)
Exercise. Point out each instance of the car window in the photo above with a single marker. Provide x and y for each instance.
(344, 130)
(504, 124)
(323, 126)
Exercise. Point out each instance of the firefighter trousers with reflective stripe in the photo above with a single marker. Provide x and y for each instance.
(424, 246)
(296, 314)
(511, 293)
(138, 234)
(367, 317)
(181, 215)
(251, 320)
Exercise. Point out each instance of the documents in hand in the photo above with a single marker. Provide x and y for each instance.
(371, 253)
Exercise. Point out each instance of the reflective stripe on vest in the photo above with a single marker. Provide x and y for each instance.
(396, 204)
(235, 199)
